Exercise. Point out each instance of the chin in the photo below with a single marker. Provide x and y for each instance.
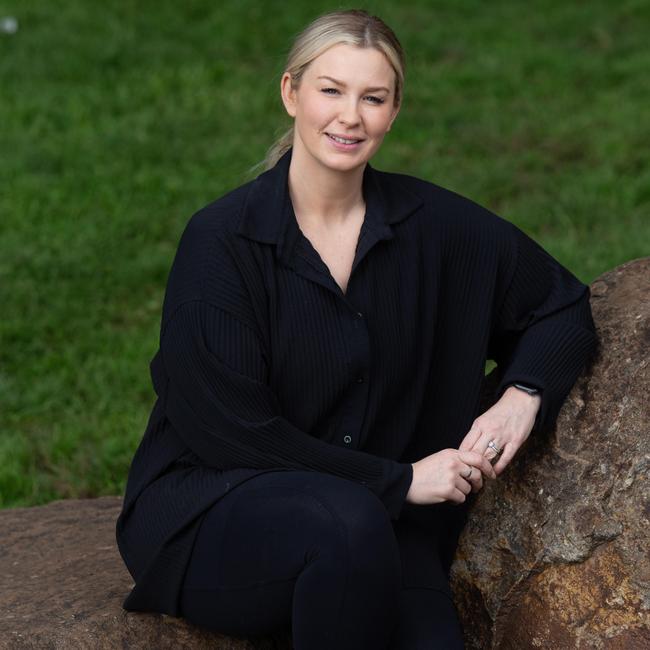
(346, 165)
(345, 160)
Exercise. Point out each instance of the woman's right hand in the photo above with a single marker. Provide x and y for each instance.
(440, 476)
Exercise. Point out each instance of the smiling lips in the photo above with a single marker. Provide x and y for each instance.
(344, 144)
(343, 141)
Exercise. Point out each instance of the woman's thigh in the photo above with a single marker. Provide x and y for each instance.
(297, 548)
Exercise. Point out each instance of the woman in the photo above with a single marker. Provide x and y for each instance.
(325, 328)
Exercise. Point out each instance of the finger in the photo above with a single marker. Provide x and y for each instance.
(458, 496)
(489, 452)
(488, 468)
(463, 485)
(481, 447)
(508, 454)
(470, 439)
(480, 462)
(477, 481)
(475, 478)
(482, 444)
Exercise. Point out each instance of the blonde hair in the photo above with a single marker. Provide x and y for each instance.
(353, 27)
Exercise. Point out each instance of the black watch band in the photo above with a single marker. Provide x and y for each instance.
(527, 389)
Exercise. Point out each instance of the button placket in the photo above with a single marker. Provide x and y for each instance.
(352, 421)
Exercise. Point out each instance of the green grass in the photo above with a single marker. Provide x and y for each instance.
(118, 120)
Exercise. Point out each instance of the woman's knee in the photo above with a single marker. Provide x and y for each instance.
(333, 513)
(358, 510)
(365, 531)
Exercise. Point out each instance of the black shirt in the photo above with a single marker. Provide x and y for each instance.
(264, 363)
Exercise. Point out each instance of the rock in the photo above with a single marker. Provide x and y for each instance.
(556, 552)
(63, 584)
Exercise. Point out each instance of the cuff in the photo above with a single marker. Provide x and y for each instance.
(394, 498)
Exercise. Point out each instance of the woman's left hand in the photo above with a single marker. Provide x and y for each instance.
(508, 423)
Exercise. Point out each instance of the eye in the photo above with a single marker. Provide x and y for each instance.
(373, 98)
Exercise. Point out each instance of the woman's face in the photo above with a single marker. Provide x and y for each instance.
(349, 92)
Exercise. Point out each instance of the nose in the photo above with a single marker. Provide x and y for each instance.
(349, 112)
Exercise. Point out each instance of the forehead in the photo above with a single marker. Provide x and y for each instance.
(352, 64)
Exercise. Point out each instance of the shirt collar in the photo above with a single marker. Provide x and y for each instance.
(267, 215)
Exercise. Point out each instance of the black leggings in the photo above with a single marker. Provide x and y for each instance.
(317, 555)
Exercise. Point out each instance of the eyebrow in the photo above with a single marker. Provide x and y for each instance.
(340, 83)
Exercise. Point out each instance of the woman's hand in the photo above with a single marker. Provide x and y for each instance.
(508, 423)
(448, 475)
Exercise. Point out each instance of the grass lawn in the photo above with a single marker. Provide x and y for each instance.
(118, 120)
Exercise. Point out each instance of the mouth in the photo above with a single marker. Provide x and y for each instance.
(342, 139)
(344, 144)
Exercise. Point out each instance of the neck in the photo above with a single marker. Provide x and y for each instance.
(322, 196)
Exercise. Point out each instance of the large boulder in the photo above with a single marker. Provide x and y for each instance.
(556, 552)
(63, 584)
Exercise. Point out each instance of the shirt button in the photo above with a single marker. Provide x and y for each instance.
(359, 314)
(347, 439)
(359, 380)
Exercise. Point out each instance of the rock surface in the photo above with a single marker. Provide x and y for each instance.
(63, 584)
(556, 552)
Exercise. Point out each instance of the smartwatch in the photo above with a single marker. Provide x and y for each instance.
(527, 389)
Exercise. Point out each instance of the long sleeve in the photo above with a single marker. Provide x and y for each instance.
(218, 401)
(544, 331)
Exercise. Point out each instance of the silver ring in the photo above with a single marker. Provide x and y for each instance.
(492, 445)
(497, 452)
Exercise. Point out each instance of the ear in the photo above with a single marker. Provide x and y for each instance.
(288, 94)
(394, 115)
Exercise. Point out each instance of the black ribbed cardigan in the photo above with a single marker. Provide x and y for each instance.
(265, 364)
